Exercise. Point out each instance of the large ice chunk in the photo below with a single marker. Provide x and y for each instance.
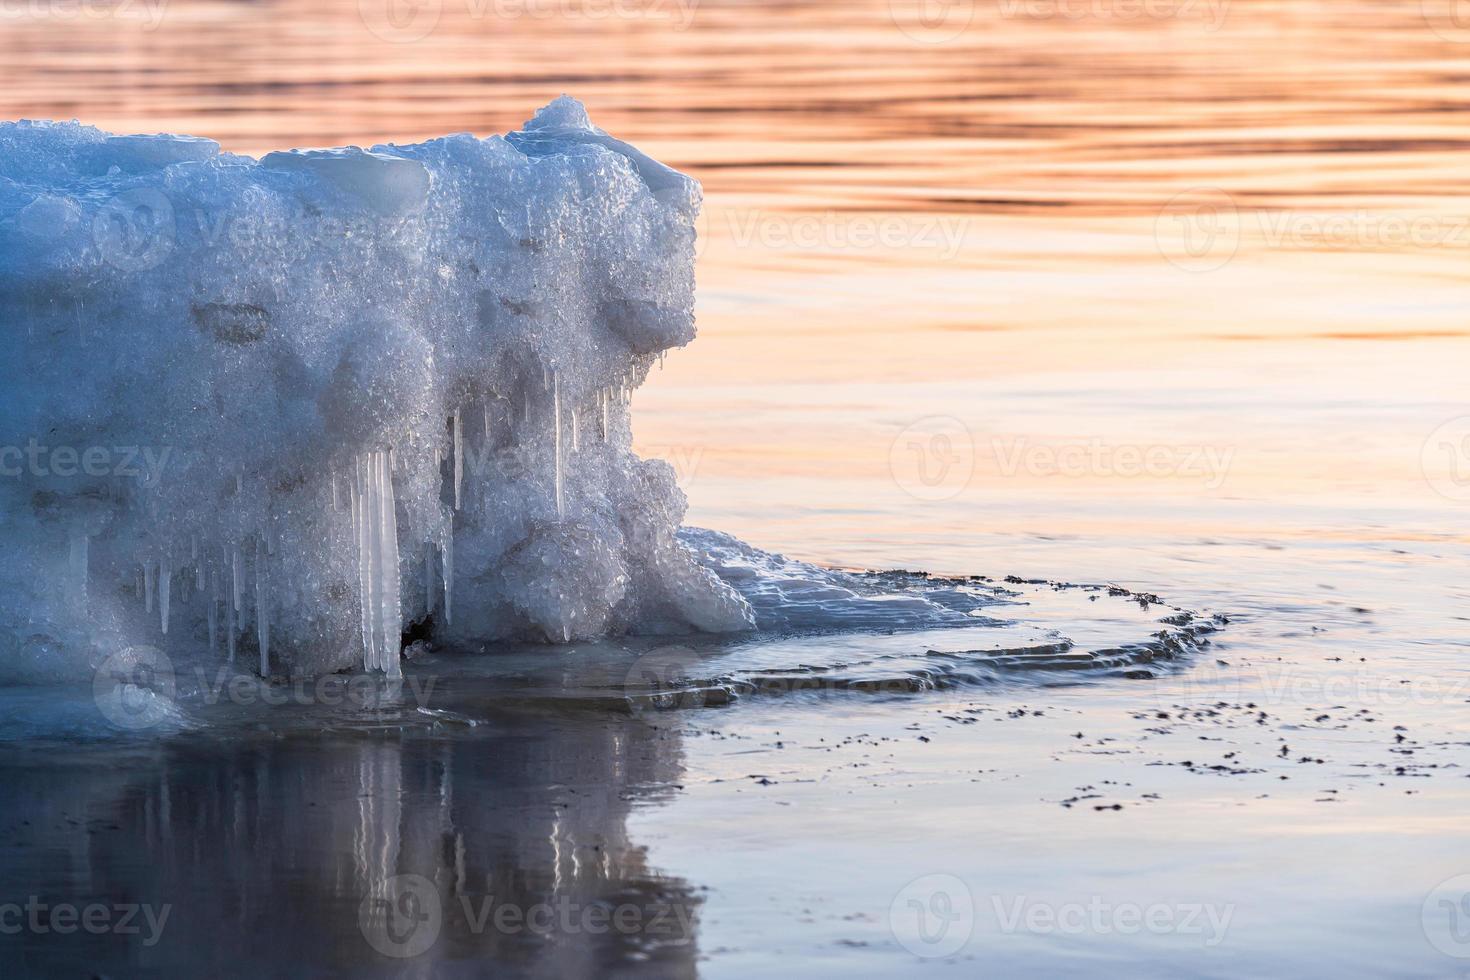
(287, 408)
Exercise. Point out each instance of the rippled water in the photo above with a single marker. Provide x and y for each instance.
(1168, 296)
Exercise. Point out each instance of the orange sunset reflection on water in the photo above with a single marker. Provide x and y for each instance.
(1008, 244)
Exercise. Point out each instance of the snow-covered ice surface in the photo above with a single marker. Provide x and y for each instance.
(285, 409)
(820, 634)
(283, 414)
(335, 415)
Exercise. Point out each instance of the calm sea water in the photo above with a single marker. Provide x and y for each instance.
(1171, 294)
(1180, 268)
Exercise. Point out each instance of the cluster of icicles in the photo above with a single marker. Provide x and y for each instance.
(155, 584)
(374, 523)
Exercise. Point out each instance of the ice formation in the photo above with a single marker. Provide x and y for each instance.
(286, 409)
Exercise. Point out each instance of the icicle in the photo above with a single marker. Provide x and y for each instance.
(545, 379)
(150, 578)
(447, 549)
(262, 613)
(213, 612)
(336, 503)
(237, 578)
(239, 484)
(576, 444)
(487, 421)
(230, 629)
(382, 613)
(561, 507)
(428, 578)
(366, 579)
(605, 396)
(165, 587)
(391, 598)
(458, 456)
(373, 518)
(355, 501)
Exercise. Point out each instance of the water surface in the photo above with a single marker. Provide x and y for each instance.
(1172, 298)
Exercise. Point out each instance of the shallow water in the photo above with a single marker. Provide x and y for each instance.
(1172, 300)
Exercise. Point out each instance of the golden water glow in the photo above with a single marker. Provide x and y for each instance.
(1176, 226)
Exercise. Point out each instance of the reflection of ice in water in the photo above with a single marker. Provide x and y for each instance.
(266, 848)
(375, 837)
